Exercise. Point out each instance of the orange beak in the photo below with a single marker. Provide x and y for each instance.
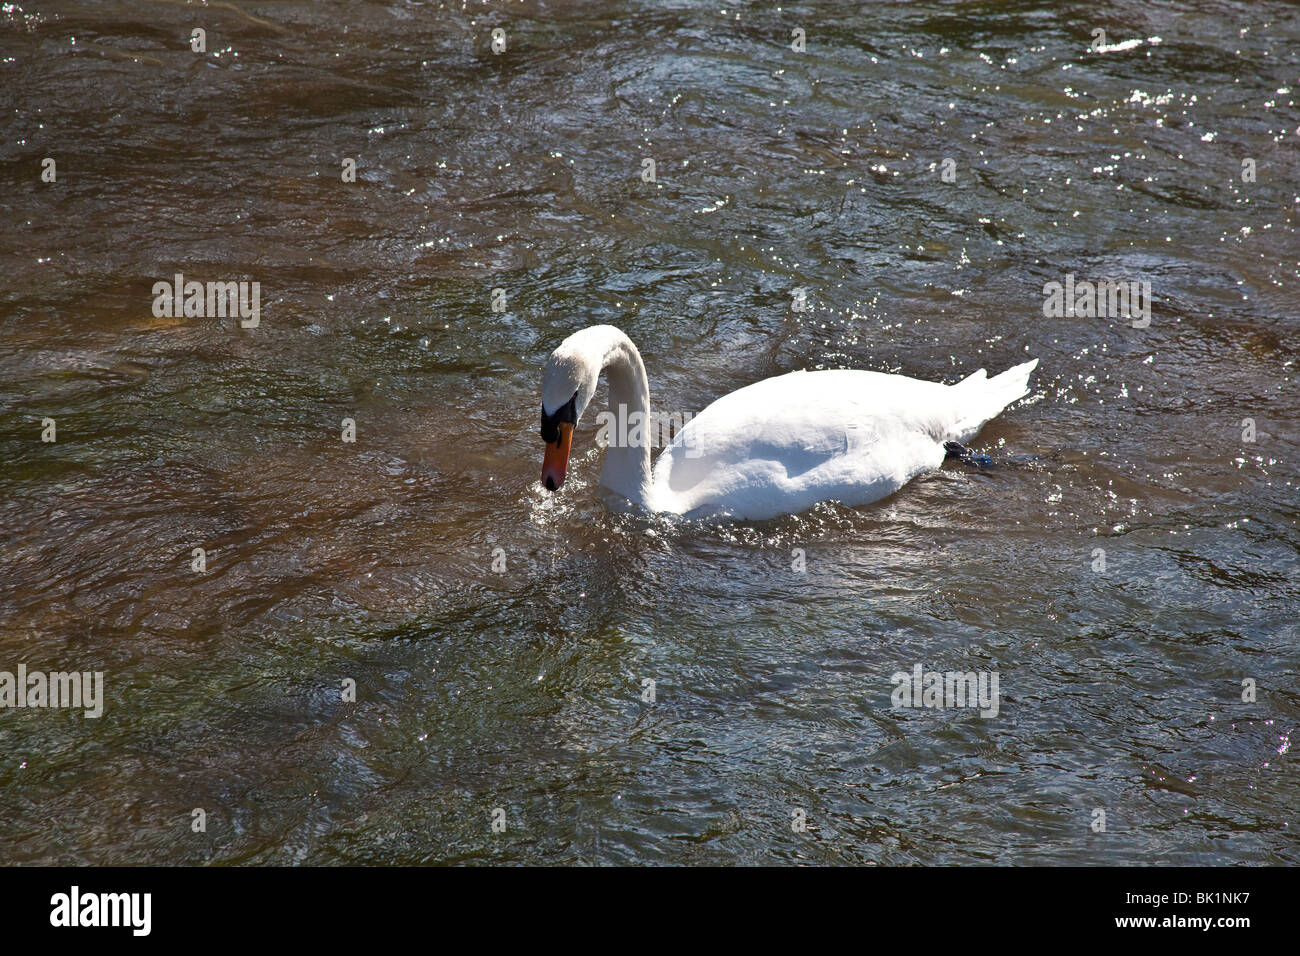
(556, 462)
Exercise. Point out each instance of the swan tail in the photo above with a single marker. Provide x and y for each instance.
(980, 398)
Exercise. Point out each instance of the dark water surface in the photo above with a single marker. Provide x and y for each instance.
(1121, 690)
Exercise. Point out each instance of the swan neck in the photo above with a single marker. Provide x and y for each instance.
(627, 457)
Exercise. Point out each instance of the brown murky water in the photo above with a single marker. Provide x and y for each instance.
(373, 561)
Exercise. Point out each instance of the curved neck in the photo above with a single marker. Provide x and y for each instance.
(627, 456)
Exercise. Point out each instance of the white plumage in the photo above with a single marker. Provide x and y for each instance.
(781, 445)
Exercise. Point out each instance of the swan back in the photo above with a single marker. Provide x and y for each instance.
(786, 443)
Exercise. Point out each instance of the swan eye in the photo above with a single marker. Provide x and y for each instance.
(550, 431)
(551, 423)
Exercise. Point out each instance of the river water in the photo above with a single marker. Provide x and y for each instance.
(500, 639)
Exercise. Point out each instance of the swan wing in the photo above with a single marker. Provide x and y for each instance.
(781, 445)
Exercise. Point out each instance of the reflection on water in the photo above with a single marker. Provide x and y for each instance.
(372, 561)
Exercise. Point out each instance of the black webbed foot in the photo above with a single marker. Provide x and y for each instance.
(966, 455)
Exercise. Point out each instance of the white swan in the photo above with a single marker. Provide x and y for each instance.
(775, 447)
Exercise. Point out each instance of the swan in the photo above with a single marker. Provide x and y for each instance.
(776, 447)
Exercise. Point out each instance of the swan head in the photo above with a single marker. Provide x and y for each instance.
(568, 385)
